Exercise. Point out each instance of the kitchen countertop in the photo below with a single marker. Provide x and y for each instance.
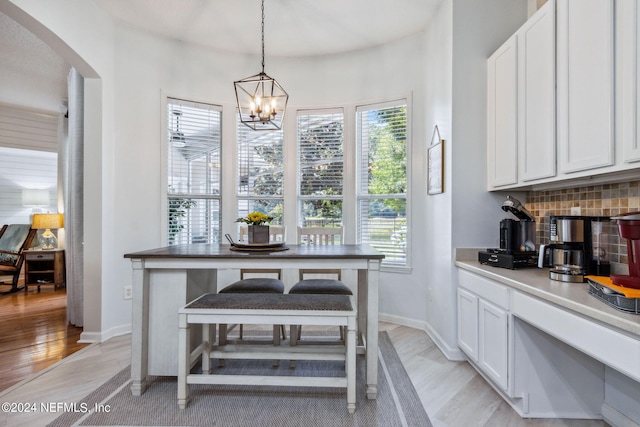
(536, 282)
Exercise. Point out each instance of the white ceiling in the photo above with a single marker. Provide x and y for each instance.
(34, 75)
(292, 27)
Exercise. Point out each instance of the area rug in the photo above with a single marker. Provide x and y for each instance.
(239, 406)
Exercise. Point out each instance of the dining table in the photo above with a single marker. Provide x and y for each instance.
(166, 279)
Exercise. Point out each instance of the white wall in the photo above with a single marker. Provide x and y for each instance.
(25, 169)
(459, 40)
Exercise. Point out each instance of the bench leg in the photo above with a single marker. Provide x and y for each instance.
(184, 356)
(206, 347)
(293, 340)
(351, 365)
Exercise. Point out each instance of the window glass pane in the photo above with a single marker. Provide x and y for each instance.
(383, 228)
(193, 172)
(320, 168)
(382, 180)
(260, 172)
(193, 220)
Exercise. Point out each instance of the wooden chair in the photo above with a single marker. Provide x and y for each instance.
(318, 281)
(14, 239)
(319, 235)
(276, 233)
(252, 281)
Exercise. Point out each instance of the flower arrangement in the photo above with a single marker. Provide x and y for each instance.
(255, 218)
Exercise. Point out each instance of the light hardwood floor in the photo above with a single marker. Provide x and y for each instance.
(452, 393)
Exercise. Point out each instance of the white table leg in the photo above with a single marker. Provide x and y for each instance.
(372, 328)
(139, 328)
(351, 365)
(184, 357)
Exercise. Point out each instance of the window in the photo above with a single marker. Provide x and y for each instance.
(320, 168)
(260, 172)
(193, 172)
(381, 133)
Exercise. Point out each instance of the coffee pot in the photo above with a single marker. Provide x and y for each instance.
(578, 248)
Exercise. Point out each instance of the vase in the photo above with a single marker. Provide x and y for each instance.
(258, 234)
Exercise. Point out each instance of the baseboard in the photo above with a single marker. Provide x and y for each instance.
(92, 337)
(453, 354)
(615, 418)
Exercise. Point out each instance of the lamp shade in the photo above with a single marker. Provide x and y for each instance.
(48, 221)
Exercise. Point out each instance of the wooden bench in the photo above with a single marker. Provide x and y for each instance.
(265, 309)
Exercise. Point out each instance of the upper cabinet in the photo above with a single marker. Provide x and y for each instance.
(537, 96)
(578, 97)
(585, 52)
(521, 104)
(628, 19)
(502, 115)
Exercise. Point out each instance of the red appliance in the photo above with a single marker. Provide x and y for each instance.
(629, 228)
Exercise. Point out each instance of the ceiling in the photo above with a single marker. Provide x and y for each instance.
(292, 27)
(36, 75)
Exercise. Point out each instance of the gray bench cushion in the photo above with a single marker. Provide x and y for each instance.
(255, 285)
(273, 302)
(320, 286)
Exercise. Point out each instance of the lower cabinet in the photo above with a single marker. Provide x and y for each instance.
(483, 326)
(544, 360)
(493, 340)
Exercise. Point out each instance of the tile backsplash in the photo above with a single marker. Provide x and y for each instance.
(594, 200)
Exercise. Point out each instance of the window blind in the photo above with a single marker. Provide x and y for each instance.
(260, 179)
(381, 133)
(193, 172)
(320, 167)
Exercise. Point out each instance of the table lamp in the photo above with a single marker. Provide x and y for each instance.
(47, 222)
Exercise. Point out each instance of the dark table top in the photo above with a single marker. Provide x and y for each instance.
(212, 250)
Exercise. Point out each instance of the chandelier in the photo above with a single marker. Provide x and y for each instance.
(261, 100)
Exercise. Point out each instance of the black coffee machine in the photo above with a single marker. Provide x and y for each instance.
(517, 239)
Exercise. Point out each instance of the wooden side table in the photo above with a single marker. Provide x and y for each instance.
(44, 267)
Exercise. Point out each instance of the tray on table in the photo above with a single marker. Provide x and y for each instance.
(260, 247)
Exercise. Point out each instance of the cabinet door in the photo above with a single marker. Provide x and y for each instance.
(628, 16)
(537, 95)
(493, 342)
(585, 84)
(502, 99)
(468, 323)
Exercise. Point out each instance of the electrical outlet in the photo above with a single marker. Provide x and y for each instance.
(128, 292)
(576, 210)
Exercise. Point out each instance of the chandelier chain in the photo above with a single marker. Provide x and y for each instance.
(262, 36)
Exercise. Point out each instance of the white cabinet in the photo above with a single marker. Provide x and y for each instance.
(537, 96)
(628, 91)
(493, 342)
(521, 104)
(502, 117)
(578, 97)
(585, 91)
(468, 323)
(483, 326)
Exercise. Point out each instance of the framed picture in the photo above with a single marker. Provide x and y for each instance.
(435, 164)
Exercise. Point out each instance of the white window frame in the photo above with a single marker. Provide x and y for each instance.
(217, 236)
(386, 265)
(300, 198)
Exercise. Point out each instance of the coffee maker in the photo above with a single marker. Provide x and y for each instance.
(577, 248)
(517, 239)
(629, 228)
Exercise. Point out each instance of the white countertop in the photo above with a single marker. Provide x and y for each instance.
(536, 282)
